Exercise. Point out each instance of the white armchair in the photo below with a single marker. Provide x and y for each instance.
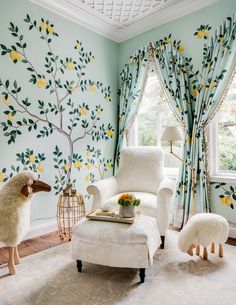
(141, 172)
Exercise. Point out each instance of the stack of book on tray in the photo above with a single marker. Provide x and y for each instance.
(112, 215)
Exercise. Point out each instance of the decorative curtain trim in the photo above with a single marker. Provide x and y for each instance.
(208, 185)
(223, 95)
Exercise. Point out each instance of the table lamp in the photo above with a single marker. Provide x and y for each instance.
(170, 134)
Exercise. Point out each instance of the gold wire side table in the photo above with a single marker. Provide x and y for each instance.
(70, 209)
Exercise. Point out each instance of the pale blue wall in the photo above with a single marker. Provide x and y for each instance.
(104, 68)
(110, 58)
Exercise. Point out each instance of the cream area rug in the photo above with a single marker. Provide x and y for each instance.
(51, 278)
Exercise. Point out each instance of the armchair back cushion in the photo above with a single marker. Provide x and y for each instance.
(141, 169)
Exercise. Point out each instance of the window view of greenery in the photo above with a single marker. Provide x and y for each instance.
(227, 131)
(153, 116)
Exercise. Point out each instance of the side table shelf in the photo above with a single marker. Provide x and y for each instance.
(70, 209)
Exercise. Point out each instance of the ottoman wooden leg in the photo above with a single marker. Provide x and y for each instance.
(79, 265)
(142, 274)
(162, 242)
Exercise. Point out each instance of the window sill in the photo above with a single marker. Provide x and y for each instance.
(223, 178)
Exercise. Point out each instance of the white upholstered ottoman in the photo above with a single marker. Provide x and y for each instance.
(116, 244)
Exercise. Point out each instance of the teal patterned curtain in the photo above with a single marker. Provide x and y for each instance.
(131, 86)
(194, 97)
(218, 64)
(174, 71)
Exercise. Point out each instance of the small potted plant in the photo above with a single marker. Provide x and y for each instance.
(127, 203)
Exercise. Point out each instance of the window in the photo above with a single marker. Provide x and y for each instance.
(222, 132)
(153, 116)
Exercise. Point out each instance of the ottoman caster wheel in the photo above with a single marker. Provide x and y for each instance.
(79, 265)
(142, 275)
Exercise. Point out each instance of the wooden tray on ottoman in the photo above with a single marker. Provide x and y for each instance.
(113, 215)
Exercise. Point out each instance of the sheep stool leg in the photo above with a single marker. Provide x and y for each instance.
(205, 255)
(221, 252)
(16, 256)
(198, 250)
(11, 265)
(212, 248)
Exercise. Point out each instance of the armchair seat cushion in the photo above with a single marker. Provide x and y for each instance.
(147, 207)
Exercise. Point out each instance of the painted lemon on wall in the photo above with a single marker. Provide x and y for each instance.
(32, 158)
(78, 45)
(92, 88)
(181, 48)
(110, 133)
(43, 25)
(67, 167)
(195, 92)
(41, 82)
(109, 165)
(6, 101)
(226, 200)
(70, 66)
(88, 165)
(50, 29)
(73, 88)
(40, 168)
(206, 33)
(10, 116)
(15, 56)
(77, 164)
(199, 35)
(2, 176)
(83, 111)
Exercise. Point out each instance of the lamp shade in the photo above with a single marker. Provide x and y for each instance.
(171, 133)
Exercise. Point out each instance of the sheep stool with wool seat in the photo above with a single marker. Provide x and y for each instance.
(204, 229)
(15, 198)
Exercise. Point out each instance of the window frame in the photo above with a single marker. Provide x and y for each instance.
(213, 155)
(132, 139)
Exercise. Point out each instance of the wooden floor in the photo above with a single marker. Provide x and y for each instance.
(32, 246)
(40, 243)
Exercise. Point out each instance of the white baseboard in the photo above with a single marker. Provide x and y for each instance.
(41, 229)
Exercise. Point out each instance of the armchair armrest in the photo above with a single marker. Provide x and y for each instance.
(102, 190)
(164, 194)
(166, 188)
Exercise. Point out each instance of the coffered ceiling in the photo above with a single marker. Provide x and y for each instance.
(120, 20)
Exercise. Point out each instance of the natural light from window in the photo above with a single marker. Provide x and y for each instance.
(226, 119)
(153, 116)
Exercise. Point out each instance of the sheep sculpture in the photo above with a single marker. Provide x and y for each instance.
(204, 229)
(15, 198)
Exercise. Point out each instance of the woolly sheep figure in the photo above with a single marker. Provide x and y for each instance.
(15, 198)
(204, 229)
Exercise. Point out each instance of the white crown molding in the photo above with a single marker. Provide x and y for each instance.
(178, 10)
(94, 21)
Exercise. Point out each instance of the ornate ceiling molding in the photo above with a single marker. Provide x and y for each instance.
(120, 20)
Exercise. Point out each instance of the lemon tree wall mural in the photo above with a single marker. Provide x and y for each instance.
(26, 160)
(60, 112)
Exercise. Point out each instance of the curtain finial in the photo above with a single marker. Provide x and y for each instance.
(150, 52)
